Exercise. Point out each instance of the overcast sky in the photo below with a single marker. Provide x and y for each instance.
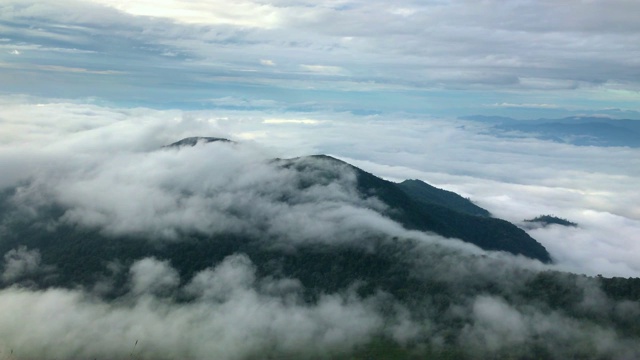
(444, 58)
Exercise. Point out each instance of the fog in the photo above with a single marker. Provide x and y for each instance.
(108, 170)
(234, 314)
(515, 179)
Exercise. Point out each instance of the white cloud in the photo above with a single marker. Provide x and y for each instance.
(324, 69)
(20, 262)
(240, 13)
(515, 179)
(153, 276)
(239, 321)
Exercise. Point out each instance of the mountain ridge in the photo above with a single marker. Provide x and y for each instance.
(575, 130)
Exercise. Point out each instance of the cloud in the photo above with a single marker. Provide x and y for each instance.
(291, 121)
(20, 262)
(498, 326)
(143, 190)
(232, 319)
(243, 13)
(515, 179)
(235, 314)
(153, 276)
(107, 168)
(231, 101)
(489, 47)
(324, 69)
(58, 68)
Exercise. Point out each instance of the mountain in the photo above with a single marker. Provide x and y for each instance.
(419, 206)
(582, 134)
(576, 130)
(546, 220)
(81, 252)
(193, 141)
(426, 194)
(310, 257)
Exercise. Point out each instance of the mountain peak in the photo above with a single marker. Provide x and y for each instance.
(195, 140)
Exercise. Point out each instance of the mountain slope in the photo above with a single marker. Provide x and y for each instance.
(423, 213)
(82, 253)
(426, 194)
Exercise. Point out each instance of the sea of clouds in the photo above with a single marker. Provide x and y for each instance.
(107, 167)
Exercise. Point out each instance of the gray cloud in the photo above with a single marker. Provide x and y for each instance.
(19, 263)
(455, 45)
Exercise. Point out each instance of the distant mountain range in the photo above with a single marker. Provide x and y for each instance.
(576, 130)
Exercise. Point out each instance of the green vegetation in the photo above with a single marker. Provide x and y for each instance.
(426, 194)
(551, 220)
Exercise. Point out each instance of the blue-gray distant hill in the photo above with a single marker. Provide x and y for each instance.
(576, 130)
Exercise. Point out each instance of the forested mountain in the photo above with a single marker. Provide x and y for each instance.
(545, 220)
(426, 194)
(366, 267)
(82, 252)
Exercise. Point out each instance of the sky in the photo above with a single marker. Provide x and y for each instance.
(305, 77)
(525, 59)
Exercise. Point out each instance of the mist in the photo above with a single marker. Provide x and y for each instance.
(106, 170)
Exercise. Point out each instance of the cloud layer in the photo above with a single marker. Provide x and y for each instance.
(108, 169)
(407, 55)
(72, 149)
